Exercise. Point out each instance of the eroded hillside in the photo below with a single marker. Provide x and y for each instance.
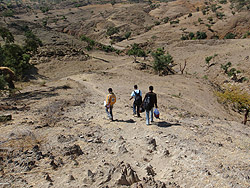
(59, 135)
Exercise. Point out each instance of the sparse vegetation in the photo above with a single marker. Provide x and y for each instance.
(233, 72)
(201, 35)
(165, 20)
(162, 63)
(127, 35)
(239, 98)
(44, 9)
(93, 44)
(112, 30)
(192, 36)
(230, 36)
(174, 22)
(136, 51)
(220, 15)
(17, 57)
(208, 59)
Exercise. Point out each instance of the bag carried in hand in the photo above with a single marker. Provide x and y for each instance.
(138, 98)
(142, 109)
(156, 113)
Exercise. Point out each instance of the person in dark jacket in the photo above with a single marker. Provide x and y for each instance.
(149, 102)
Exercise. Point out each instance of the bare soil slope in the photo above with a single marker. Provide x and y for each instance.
(59, 135)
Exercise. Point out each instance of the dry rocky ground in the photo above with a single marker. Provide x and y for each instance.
(59, 135)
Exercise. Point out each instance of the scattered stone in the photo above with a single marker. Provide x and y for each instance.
(54, 165)
(90, 174)
(4, 118)
(128, 176)
(152, 144)
(48, 178)
(150, 182)
(73, 150)
(166, 152)
(150, 170)
(123, 149)
(71, 178)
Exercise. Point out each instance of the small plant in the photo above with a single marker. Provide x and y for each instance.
(220, 15)
(157, 22)
(209, 58)
(205, 77)
(113, 2)
(112, 30)
(165, 20)
(226, 66)
(200, 20)
(190, 15)
(3, 83)
(136, 51)
(238, 97)
(191, 35)
(8, 13)
(127, 35)
(201, 35)
(162, 62)
(44, 9)
(246, 35)
(174, 22)
(223, 1)
(210, 19)
(230, 36)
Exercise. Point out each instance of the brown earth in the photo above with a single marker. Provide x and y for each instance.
(59, 135)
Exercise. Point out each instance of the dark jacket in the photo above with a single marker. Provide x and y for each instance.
(153, 99)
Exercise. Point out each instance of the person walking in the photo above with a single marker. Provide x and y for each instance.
(137, 95)
(149, 101)
(110, 101)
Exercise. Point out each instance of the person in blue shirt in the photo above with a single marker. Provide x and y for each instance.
(137, 95)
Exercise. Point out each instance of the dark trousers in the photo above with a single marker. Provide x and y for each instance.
(136, 109)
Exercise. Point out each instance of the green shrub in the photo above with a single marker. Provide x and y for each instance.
(174, 22)
(13, 55)
(210, 19)
(32, 42)
(230, 36)
(162, 62)
(8, 13)
(165, 20)
(44, 9)
(201, 35)
(190, 15)
(112, 30)
(238, 97)
(191, 35)
(220, 15)
(136, 51)
(223, 1)
(3, 83)
(226, 66)
(157, 22)
(127, 35)
(184, 37)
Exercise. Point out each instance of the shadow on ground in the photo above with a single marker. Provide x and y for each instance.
(167, 124)
(126, 121)
(39, 94)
